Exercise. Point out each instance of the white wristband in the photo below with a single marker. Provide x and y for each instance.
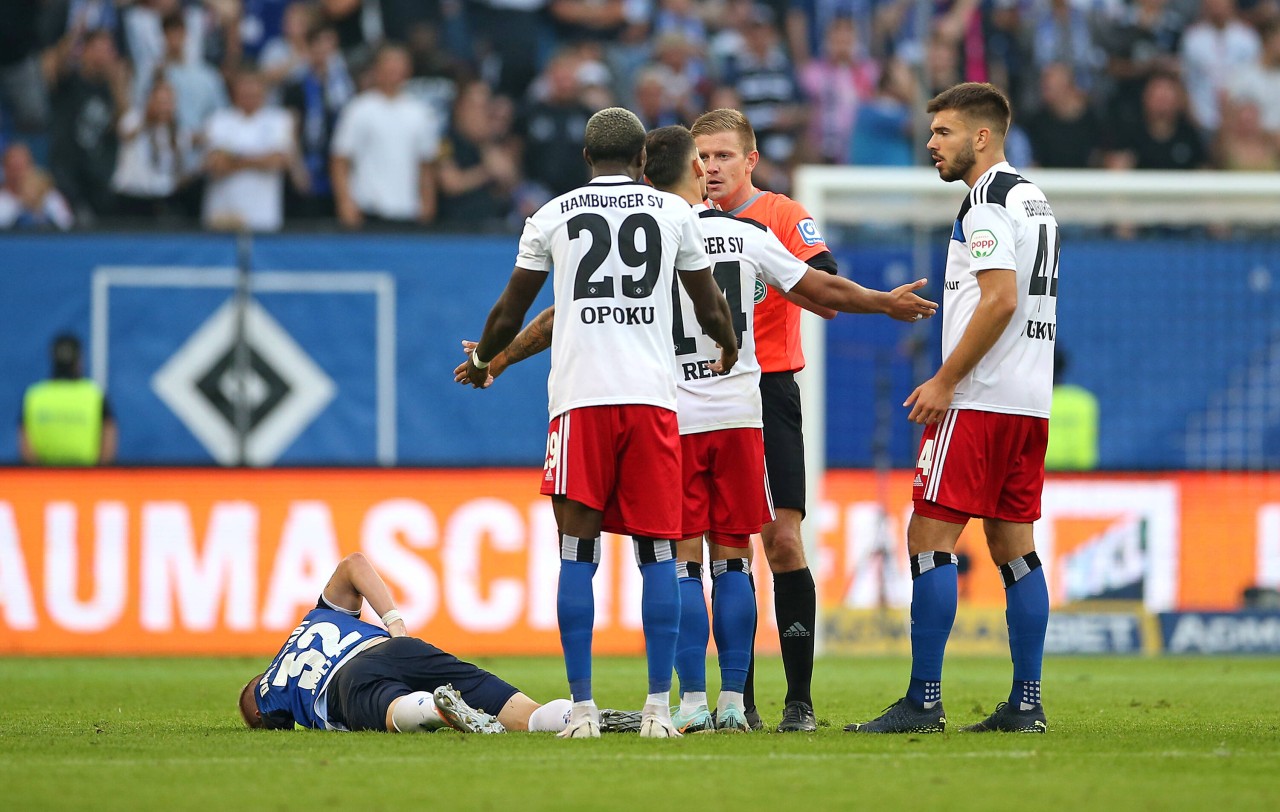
(391, 617)
(475, 359)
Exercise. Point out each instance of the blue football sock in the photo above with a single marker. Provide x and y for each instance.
(1027, 612)
(933, 612)
(660, 615)
(576, 611)
(695, 629)
(734, 613)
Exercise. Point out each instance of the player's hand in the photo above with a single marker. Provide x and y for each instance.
(905, 305)
(466, 372)
(397, 629)
(728, 357)
(930, 401)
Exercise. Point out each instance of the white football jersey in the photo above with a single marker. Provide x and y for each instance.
(1005, 222)
(745, 256)
(613, 247)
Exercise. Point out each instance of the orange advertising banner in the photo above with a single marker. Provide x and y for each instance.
(199, 561)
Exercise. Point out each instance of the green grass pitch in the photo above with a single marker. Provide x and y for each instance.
(1125, 734)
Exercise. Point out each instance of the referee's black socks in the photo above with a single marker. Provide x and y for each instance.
(795, 605)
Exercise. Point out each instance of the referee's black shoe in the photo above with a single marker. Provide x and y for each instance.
(797, 717)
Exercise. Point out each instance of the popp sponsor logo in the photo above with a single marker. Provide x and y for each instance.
(982, 244)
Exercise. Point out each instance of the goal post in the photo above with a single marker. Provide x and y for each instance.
(1205, 244)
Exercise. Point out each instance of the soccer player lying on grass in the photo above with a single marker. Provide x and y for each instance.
(336, 672)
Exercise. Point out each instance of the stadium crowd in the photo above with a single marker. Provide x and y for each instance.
(470, 113)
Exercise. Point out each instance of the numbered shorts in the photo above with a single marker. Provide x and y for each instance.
(981, 464)
(364, 688)
(783, 439)
(623, 460)
(724, 483)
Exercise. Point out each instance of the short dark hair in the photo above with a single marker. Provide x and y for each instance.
(174, 19)
(65, 354)
(614, 134)
(982, 101)
(668, 151)
(249, 713)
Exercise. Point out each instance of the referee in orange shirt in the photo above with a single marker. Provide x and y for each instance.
(727, 145)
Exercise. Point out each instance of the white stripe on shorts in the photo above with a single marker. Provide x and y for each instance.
(562, 458)
(941, 443)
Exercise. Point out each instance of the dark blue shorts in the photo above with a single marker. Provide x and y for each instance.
(363, 689)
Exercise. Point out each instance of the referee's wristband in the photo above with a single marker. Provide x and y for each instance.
(475, 359)
(391, 617)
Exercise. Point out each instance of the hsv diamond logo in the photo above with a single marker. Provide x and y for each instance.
(284, 389)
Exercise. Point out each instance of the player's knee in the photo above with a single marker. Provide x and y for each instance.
(414, 713)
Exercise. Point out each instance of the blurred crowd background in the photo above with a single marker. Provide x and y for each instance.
(469, 114)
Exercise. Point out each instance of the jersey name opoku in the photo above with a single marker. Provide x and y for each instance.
(613, 247)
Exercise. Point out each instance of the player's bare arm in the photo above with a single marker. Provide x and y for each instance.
(504, 321)
(808, 304)
(999, 299)
(848, 296)
(355, 580)
(533, 339)
(712, 312)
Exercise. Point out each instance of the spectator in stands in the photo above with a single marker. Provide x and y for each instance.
(771, 98)
(1165, 138)
(1065, 131)
(836, 85)
(383, 150)
(22, 89)
(513, 32)
(88, 100)
(284, 56)
(654, 101)
(683, 17)
(1061, 34)
(315, 100)
(1260, 83)
(478, 166)
(66, 419)
(250, 149)
(686, 72)
(152, 161)
(348, 19)
(1242, 144)
(806, 23)
(599, 20)
(28, 199)
(198, 89)
(1141, 41)
(551, 130)
(263, 22)
(1214, 48)
(145, 40)
(883, 134)
(1073, 423)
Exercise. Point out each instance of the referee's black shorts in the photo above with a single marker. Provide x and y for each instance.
(364, 688)
(783, 439)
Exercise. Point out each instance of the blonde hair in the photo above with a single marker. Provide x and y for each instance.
(726, 120)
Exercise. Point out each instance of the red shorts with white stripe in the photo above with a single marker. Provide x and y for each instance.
(724, 484)
(623, 460)
(981, 464)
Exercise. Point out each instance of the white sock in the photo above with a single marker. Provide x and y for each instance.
(552, 717)
(691, 701)
(416, 713)
(584, 710)
(656, 705)
(728, 698)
